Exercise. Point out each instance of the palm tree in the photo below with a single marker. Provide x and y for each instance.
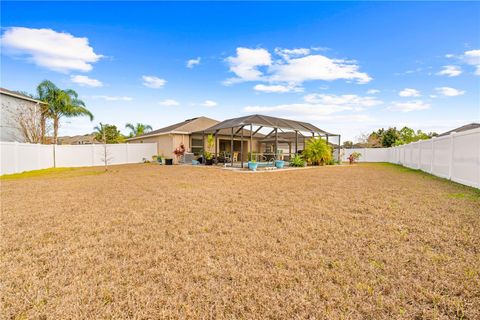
(138, 129)
(46, 92)
(317, 151)
(61, 103)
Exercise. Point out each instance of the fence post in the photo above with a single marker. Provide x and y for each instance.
(93, 154)
(452, 150)
(15, 156)
(126, 152)
(433, 155)
(419, 155)
(39, 146)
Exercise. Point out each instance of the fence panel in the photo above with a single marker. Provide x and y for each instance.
(442, 157)
(73, 156)
(455, 157)
(18, 157)
(466, 158)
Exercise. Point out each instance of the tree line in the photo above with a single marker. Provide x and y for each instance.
(391, 137)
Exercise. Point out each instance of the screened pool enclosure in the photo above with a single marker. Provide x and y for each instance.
(264, 138)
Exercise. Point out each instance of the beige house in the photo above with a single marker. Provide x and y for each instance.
(190, 134)
(267, 138)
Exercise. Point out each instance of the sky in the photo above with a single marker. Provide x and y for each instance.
(347, 67)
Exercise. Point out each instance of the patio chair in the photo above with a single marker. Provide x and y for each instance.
(235, 156)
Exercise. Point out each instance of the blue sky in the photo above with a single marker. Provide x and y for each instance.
(347, 67)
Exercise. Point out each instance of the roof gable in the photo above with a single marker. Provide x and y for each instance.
(188, 126)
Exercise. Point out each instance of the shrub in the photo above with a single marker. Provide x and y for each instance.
(354, 157)
(179, 151)
(297, 161)
(317, 151)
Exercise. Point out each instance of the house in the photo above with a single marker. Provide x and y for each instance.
(80, 139)
(237, 137)
(466, 127)
(191, 134)
(12, 103)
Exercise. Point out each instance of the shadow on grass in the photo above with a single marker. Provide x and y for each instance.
(51, 173)
(469, 193)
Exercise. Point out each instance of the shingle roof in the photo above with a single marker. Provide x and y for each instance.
(466, 127)
(187, 126)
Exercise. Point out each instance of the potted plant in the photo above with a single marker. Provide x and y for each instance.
(179, 152)
(208, 158)
(252, 164)
(207, 154)
(279, 164)
(354, 157)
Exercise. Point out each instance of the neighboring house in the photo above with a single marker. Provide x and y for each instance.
(466, 127)
(12, 102)
(81, 139)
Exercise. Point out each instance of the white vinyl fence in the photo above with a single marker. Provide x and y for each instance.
(19, 157)
(455, 157)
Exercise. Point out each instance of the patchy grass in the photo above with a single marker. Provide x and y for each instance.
(54, 172)
(366, 241)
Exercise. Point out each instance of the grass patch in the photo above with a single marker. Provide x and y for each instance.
(471, 192)
(51, 173)
(177, 242)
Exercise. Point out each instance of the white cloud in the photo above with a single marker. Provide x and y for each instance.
(85, 81)
(409, 106)
(153, 82)
(245, 64)
(277, 88)
(290, 53)
(317, 67)
(169, 103)
(293, 66)
(318, 106)
(449, 92)
(209, 104)
(58, 51)
(409, 92)
(450, 71)
(469, 57)
(472, 57)
(192, 62)
(349, 101)
(373, 91)
(113, 98)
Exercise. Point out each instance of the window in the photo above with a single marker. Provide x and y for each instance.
(197, 146)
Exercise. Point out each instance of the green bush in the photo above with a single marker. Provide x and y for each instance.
(317, 151)
(297, 161)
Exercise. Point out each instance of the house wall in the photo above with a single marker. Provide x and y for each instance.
(167, 143)
(10, 132)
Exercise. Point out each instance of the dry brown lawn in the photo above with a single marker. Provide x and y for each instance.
(369, 241)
